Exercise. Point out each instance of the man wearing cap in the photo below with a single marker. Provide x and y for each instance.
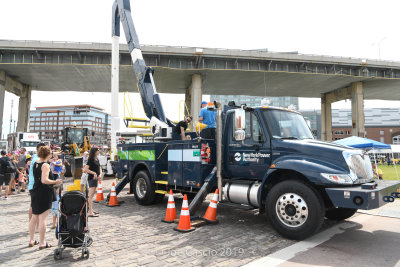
(207, 116)
(203, 104)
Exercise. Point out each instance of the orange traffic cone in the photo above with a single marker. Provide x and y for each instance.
(170, 215)
(113, 197)
(184, 220)
(99, 196)
(211, 213)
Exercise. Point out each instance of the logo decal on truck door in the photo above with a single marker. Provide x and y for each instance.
(250, 157)
(238, 156)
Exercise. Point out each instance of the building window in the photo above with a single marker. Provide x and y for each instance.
(348, 133)
(339, 132)
(381, 132)
(396, 140)
(382, 139)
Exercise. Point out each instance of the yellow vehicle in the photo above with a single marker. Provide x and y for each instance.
(76, 142)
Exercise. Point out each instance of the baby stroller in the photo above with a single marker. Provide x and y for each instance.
(72, 224)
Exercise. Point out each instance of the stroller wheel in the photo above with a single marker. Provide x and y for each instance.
(85, 253)
(58, 254)
(89, 241)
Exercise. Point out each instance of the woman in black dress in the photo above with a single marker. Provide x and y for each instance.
(42, 196)
(93, 169)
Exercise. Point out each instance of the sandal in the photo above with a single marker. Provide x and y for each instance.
(93, 215)
(95, 212)
(35, 242)
(43, 247)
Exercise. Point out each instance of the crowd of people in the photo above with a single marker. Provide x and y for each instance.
(40, 175)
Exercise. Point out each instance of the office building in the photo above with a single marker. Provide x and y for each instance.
(49, 122)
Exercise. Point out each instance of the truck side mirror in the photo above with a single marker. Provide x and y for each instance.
(240, 125)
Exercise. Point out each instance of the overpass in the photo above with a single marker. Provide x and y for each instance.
(68, 66)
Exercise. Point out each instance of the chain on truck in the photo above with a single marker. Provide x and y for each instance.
(262, 157)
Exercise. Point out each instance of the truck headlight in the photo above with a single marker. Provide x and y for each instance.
(338, 178)
(347, 157)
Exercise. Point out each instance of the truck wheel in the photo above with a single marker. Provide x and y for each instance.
(338, 214)
(144, 189)
(294, 209)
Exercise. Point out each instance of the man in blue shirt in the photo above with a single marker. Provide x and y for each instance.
(207, 116)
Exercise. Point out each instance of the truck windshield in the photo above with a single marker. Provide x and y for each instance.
(29, 144)
(3, 145)
(286, 125)
(75, 135)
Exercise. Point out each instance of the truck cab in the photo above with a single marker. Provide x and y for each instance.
(3, 145)
(29, 141)
(272, 162)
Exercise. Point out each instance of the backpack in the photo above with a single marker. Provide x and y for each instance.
(10, 167)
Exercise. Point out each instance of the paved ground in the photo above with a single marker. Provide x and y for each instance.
(133, 234)
(364, 240)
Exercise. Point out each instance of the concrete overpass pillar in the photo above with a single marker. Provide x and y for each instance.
(2, 95)
(357, 109)
(193, 98)
(326, 118)
(24, 109)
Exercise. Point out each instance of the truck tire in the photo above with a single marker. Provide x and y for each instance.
(144, 189)
(338, 214)
(294, 209)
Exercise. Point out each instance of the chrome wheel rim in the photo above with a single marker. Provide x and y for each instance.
(141, 188)
(292, 210)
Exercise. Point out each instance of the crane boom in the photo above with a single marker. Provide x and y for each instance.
(121, 14)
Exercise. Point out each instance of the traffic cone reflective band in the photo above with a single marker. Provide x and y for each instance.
(113, 197)
(170, 215)
(184, 220)
(211, 213)
(99, 196)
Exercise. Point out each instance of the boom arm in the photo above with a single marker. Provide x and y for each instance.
(121, 13)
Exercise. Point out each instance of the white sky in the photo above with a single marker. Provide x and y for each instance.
(338, 28)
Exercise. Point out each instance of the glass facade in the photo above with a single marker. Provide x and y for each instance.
(253, 101)
(49, 122)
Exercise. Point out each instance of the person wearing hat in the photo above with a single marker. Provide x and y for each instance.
(203, 104)
(207, 116)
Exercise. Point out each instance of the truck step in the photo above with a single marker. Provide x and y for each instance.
(161, 182)
(164, 172)
(161, 192)
(238, 206)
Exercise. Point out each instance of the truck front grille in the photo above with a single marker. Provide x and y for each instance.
(362, 166)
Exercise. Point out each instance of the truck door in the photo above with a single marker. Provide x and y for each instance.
(249, 158)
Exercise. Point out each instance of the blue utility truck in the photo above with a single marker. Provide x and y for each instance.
(262, 157)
